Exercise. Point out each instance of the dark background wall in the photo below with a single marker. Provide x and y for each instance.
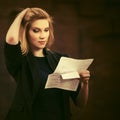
(83, 29)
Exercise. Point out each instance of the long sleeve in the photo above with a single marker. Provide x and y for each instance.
(13, 57)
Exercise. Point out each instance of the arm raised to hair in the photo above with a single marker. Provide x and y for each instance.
(12, 36)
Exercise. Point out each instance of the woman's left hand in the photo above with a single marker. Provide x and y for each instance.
(85, 76)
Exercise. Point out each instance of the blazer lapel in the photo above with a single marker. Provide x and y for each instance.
(52, 59)
(34, 69)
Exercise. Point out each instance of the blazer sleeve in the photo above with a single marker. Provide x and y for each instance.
(13, 57)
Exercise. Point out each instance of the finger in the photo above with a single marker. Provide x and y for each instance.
(86, 74)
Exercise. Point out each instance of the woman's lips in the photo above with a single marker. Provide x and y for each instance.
(42, 42)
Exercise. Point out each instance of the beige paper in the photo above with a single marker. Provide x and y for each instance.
(66, 75)
(56, 81)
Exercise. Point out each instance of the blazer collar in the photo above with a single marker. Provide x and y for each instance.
(52, 58)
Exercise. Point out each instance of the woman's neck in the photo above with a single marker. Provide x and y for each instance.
(38, 53)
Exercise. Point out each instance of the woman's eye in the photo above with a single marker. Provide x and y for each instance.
(46, 30)
(35, 30)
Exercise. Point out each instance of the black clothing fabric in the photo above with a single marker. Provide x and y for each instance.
(48, 104)
(26, 72)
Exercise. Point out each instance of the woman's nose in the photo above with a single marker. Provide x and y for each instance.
(42, 35)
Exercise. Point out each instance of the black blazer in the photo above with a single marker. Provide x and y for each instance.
(24, 71)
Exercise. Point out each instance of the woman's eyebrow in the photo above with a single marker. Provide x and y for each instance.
(39, 27)
(47, 28)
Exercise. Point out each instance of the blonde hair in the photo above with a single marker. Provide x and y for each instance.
(31, 15)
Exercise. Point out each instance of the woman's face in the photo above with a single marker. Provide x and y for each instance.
(38, 34)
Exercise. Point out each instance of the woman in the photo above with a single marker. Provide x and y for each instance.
(29, 60)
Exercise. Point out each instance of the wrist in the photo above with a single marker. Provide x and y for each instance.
(86, 82)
